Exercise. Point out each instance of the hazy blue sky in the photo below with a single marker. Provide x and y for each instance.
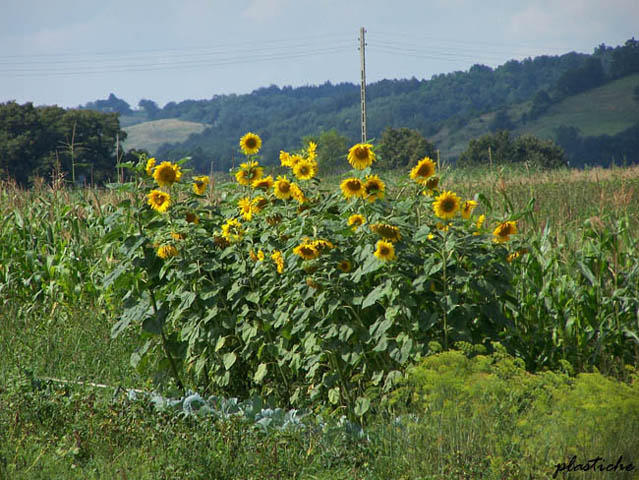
(69, 52)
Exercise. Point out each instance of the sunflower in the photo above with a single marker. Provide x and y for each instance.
(191, 217)
(384, 250)
(297, 193)
(345, 266)
(352, 187)
(249, 172)
(446, 205)
(166, 251)
(246, 208)
(258, 204)
(307, 251)
(178, 236)
(503, 231)
(311, 151)
(374, 188)
(159, 201)
(285, 159)
(279, 261)
(432, 186)
(356, 221)
(467, 208)
(250, 143)
(150, 165)
(305, 169)
(200, 184)
(282, 188)
(313, 284)
(256, 257)
(166, 174)
(232, 230)
(387, 232)
(220, 241)
(516, 255)
(424, 169)
(478, 224)
(322, 244)
(361, 156)
(263, 183)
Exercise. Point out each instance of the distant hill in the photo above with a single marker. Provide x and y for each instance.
(150, 135)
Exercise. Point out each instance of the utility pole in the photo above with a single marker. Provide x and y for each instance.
(362, 89)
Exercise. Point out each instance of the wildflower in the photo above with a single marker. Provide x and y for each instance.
(374, 188)
(249, 172)
(352, 187)
(167, 251)
(265, 183)
(467, 208)
(361, 156)
(200, 184)
(232, 230)
(282, 188)
(345, 266)
(305, 169)
(446, 205)
(356, 221)
(166, 174)
(159, 200)
(503, 231)
(250, 143)
(387, 232)
(150, 165)
(424, 169)
(279, 261)
(384, 250)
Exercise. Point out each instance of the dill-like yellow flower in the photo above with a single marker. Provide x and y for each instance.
(263, 183)
(424, 169)
(279, 261)
(361, 156)
(307, 251)
(467, 208)
(387, 232)
(305, 169)
(167, 251)
(374, 188)
(150, 165)
(159, 201)
(356, 220)
(250, 143)
(282, 188)
(503, 231)
(345, 266)
(384, 250)
(232, 230)
(166, 174)
(200, 184)
(352, 187)
(446, 205)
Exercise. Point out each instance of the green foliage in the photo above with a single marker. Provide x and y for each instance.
(522, 424)
(499, 148)
(331, 148)
(401, 147)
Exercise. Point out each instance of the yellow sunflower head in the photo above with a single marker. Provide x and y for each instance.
(356, 220)
(424, 169)
(467, 208)
(166, 174)
(265, 183)
(307, 251)
(446, 205)
(387, 232)
(178, 236)
(322, 244)
(166, 251)
(374, 188)
(250, 143)
(285, 159)
(361, 156)
(191, 217)
(503, 231)
(278, 258)
(249, 172)
(200, 184)
(258, 204)
(297, 193)
(384, 250)
(345, 266)
(246, 208)
(282, 188)
(311, 151)
(305, 169)
(159, 201)
(352, 187)
(150, 165)
(232, 230)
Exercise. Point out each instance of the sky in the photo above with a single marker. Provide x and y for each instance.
(70, 52)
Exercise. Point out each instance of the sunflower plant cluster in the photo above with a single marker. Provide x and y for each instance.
(304, 293)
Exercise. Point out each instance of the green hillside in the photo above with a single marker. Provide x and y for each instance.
(606, 110)
(150, 135)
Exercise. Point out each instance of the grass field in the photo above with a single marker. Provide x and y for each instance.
(150, 135)
(458, 415)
